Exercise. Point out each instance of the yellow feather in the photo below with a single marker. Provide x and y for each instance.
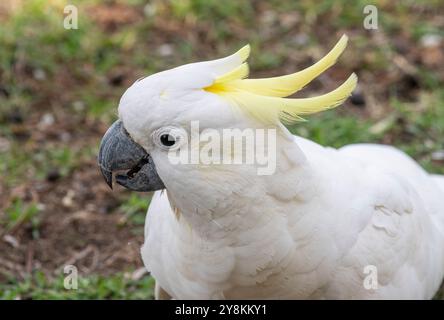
(236, 74)
(244, 52)
(271, 109)
(263, 98)
(284, 86)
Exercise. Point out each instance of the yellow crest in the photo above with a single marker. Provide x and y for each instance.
(265, 98)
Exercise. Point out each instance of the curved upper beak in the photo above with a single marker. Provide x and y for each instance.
(118, 152)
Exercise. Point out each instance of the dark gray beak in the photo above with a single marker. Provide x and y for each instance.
(118, 152)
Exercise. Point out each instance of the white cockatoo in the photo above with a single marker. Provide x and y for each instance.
(360, 222)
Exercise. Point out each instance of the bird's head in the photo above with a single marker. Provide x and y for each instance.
(160, 114)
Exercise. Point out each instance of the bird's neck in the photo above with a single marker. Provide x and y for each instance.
(224, 202)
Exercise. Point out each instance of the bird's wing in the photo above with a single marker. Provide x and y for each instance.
(384, 211)
(403, 237)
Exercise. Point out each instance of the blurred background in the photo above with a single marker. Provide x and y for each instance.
(59, 91)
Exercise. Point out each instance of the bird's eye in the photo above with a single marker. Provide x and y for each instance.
(167, 140)
(170, 138)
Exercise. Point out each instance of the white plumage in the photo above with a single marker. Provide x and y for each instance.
(307, 231)
(357, 206)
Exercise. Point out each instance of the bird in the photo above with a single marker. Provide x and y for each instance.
(297, 221)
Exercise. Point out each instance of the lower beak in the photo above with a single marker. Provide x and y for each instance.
(118, 152)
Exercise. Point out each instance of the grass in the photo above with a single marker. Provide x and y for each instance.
(414, 128)
(117, 286)
(19, 213)
(45, 68)
(134, 210)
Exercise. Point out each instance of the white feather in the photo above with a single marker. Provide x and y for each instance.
(353, 207)
(307, 231)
